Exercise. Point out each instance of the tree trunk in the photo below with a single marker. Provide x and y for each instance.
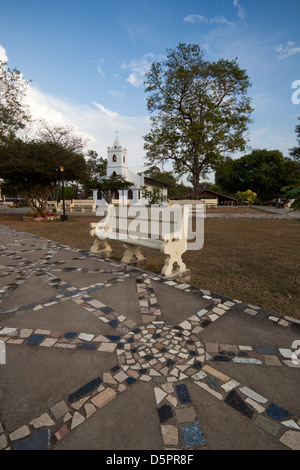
(196, 176)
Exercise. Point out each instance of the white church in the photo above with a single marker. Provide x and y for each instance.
(117, 165)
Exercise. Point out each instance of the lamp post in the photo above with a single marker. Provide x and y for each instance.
(64, 217)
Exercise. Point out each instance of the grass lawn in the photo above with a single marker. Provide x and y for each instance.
(253, 260)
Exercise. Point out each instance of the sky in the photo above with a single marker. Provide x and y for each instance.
(86, 61)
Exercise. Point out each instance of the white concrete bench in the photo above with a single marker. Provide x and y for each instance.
(159, 228)
(121, 202)
(83, 205)
(195, 207)
(210, 202)
(3, 207)
(68, 204)
(53, 205)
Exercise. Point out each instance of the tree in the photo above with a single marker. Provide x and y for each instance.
(95, 170)
(33, 168)
(248, 195)
(166, 177)
(295, 151)
(264, 171)
(154, 195)
(64, 137)
(13, 112)
(108, 186)
(202, 111)
(59, 134)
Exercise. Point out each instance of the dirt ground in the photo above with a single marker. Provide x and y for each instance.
(252, 260)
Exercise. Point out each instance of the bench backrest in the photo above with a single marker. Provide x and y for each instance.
(158, 223)
(121, 202)
(84, 202)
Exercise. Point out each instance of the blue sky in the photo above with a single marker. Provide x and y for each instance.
(86, 60)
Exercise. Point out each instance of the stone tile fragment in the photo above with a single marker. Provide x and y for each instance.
(193, 435)
(210, 390)
(291, 439)
(89, 409)
(38, 441)
(276, 412)
(236, 402)
(216, 373)
(3, 442)
(35, 339)
(104, 397)
(62, 432)
(86, 389)
(185, 415)
(159, 395)
(272, 361)
(169, 434)
(290, 424)
(165, 412)
(59, 410)
(255, 396)
(77, 420)
(19, 433)
(267, 425)
(182, 393)
(43, 421)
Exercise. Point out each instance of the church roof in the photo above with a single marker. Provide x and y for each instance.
(116, 141)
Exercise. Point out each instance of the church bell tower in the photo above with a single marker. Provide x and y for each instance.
(117, 159)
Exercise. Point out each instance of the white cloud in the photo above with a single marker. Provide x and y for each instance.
(93, 122)
(203, 19)
(3, 55)
(138, 67)
(241, 11)
(100, 71)
(287, 50)
(104, 110)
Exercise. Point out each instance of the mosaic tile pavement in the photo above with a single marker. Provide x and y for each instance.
(146, 362)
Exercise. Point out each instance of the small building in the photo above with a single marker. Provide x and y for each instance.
(223, 200)
(117, 165)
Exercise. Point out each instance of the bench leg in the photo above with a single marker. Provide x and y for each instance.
(132, 252)
(173, 266)
(100, 246)
(173, 263)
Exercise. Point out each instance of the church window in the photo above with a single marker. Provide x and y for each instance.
(130, 194)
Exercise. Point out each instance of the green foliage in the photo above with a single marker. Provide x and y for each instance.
(295, 151)
(200, 111)
(265, 171)
(154, 195)
(248, 195)
(110, 185)
(292, 193)
(33, 168)
(167, 177)
(13, 113)
(95, 170)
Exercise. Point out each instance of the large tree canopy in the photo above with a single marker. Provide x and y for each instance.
(295, 151)
(263, 171)
(33, 168)
(13, 112)
(201, 111)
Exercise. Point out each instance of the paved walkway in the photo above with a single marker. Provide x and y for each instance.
(98, 355)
